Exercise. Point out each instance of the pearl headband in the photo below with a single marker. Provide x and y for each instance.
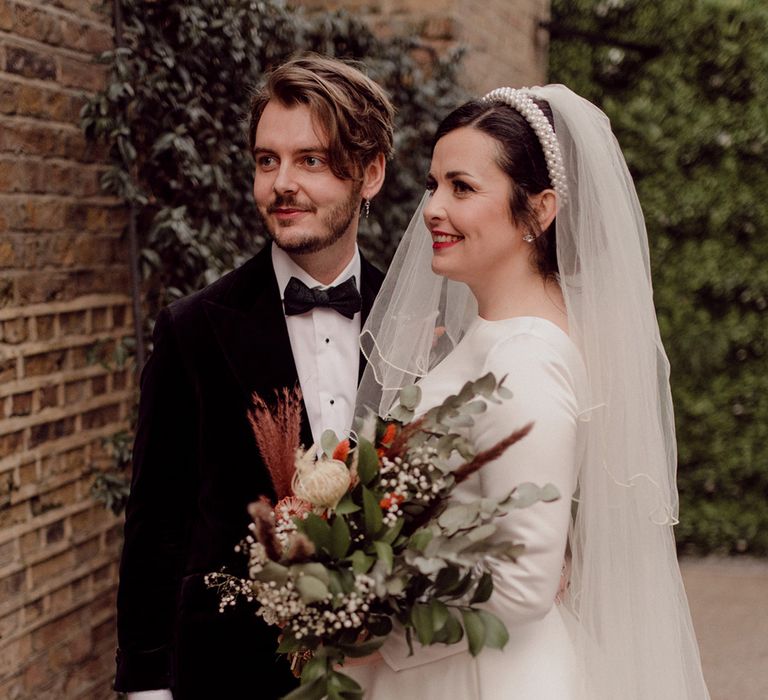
(521, 101)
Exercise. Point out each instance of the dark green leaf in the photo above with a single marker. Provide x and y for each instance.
(317, 530)
(384, 554)
(483, 589)
(367, 462)
(371, 513)
(496, 635)
(421, 619)
(340, 538)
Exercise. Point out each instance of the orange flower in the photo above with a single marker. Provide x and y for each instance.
(389, 435)
(341, 451)
(391, 499)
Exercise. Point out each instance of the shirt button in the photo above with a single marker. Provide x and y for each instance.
(332, 402)
(327, 340)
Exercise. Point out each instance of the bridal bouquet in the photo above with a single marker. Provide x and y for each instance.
(365, 536)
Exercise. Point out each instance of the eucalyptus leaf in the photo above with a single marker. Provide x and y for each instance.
(346, 505)
(440, 614)
(496, 634)
(548, 493)
(311, 569)
(311, 589)
(317, 530)
(410, 396)
(361, 562)
(328, 442)
(475, 630)
(421, 619)
(420, 539)
(272, 571)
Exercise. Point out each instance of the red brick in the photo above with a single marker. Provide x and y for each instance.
(42, 287)
(6, 15)
(7, 370)
(30, 64)
(73, 323)
(45, 363)
(86, 37)
(12, 515)
(12, 585)
(81, 75)
(34, 611)
(87, 550)
(99, 385)
(22, 404)
(33, 23)
(8, 554)
(100, 319)
(49, 396)
(99, 417)
(75, 391)
(119, 380)
(30, 543)
(55, 430)
(14, 331)
(50, 568)
(55, 532)
(10, 444)
(27, 474)
(44, 327)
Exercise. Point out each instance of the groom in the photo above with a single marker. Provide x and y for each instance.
(320, 133)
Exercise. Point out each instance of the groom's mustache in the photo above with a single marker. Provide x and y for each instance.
(288, 202)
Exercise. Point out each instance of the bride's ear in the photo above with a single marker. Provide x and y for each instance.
(545, 206)
(373, 177)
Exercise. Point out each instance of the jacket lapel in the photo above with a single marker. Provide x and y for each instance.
(250, 328)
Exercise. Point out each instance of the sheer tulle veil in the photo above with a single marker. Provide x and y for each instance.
(635, 639)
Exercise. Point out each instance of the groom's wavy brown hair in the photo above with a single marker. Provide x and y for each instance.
(353, 110)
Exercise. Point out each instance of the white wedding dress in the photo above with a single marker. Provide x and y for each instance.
(546, 375)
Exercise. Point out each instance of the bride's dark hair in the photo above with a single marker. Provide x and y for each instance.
(521, 157)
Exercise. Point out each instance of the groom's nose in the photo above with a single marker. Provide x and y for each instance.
(285, 180)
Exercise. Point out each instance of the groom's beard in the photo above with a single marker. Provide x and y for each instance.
(299, 237)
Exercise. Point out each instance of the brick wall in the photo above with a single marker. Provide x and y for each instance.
(505, 44)
(64, 305)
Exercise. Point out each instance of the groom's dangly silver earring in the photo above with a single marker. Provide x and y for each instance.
(367, 208)
(529, 237)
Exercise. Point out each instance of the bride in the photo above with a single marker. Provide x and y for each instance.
(528, 258)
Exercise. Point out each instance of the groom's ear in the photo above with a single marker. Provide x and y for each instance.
(373, 176)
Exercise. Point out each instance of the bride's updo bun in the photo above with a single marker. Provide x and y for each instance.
(521, 157)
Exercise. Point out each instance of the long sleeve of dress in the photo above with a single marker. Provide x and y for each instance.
(541, 379)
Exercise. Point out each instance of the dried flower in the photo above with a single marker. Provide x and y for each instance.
(322, 482)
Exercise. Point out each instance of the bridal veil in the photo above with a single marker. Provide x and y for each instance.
(635, 639)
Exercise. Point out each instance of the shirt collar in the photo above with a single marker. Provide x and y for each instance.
(285, 268)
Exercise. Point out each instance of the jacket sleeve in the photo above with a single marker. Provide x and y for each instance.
(543, 388)
(156, 516)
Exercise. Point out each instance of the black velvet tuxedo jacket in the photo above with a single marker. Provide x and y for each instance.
(195, 470)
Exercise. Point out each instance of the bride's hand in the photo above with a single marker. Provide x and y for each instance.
(362, 660)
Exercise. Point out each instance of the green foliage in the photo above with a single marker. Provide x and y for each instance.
(685, 84)
(174, 116)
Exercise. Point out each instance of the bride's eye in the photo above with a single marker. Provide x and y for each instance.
(461, 187)
(430, 185)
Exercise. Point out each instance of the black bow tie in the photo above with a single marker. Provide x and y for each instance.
(344, 298)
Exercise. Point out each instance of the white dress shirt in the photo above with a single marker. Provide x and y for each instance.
(325, 349)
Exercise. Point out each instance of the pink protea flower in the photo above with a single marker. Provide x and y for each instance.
(292, 507)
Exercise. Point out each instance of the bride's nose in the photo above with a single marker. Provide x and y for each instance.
(433, 210)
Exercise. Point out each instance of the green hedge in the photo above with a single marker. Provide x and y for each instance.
(685, 84)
